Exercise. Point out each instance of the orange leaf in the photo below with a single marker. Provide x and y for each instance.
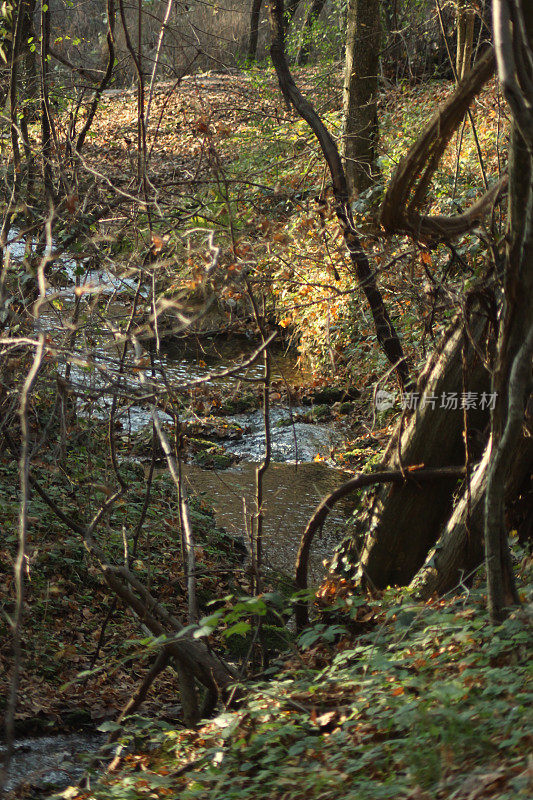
(72, 202)
(157, 243)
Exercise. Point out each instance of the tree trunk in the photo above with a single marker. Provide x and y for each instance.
(465, 38)
(405, 521)
(305, 47)
(385, 331)
(459, 549)
(512, 375)
(460, 26)
(360, 132)
(46, 132)
(254, 29)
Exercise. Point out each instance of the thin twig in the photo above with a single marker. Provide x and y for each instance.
(20, 565)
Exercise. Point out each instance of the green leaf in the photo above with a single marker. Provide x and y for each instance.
(109, 726)
(240, 628)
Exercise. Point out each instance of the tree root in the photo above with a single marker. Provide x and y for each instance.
(408, 474)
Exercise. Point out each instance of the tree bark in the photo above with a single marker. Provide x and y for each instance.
(255, 13)
(46, 129)
(405, 521)
(459, 550)
(360, 132)
(513, 34)
(465, 38)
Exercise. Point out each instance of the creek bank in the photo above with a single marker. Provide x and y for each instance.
(226, 428)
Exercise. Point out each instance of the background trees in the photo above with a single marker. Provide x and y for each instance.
(360, 94)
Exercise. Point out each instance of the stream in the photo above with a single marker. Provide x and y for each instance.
(296, 481)
(50, 763)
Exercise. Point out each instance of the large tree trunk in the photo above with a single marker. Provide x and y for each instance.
(459, 550)
(512, 379)
(360, 94)
(405, 521)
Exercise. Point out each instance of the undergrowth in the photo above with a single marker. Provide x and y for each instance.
(394, 700)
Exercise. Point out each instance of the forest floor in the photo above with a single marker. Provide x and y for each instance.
(382, 697)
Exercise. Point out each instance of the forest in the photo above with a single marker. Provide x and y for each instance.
(266, 399)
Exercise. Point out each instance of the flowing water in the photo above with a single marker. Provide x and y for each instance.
(291, 493)
(50, 762)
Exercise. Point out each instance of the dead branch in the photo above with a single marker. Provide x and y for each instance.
(89, 74)
(19, 568)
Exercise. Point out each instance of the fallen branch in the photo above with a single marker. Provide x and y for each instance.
(89, 74)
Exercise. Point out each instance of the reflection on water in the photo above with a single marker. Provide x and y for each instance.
(291, 493)
(198, 357)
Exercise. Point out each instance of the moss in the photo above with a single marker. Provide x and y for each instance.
(321, 412)
(331, 394)
(239, 405)
(347, 407)
(209, 455)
